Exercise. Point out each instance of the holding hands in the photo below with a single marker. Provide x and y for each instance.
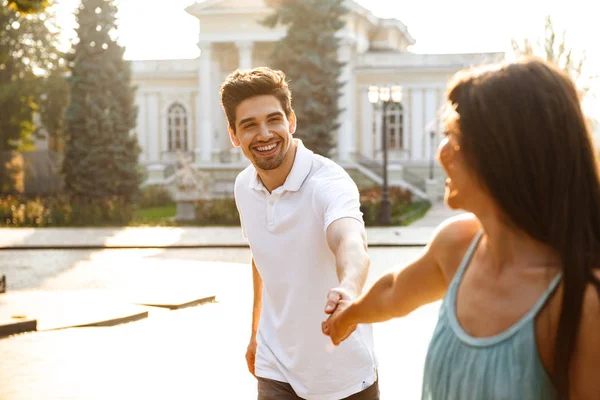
(338, 326)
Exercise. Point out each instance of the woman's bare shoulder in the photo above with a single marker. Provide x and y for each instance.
(451, 241)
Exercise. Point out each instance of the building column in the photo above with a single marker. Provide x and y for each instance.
(366, 134)
(204, 129)
(245, 53)
(430, 121)
(140, 130)
(153, 120)
(346, 133)
(219, 127)
(417, 124)
(406, 131)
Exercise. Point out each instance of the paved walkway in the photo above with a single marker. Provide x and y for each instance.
(189, 354)
(437, 214)
(417, 234)
(168, 237)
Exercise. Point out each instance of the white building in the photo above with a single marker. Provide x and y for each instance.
(179, 105)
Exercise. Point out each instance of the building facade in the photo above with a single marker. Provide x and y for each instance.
(179, 105)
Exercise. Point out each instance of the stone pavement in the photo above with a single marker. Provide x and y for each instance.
(437, 214)
(193, 353)
(67, 309)
(85, 288)
(169, 237)
(417, 234)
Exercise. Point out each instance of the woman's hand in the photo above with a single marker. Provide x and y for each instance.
(338, 326)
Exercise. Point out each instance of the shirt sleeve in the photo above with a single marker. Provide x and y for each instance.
(338, 197)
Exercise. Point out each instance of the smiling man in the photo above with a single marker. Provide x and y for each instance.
(300, 213)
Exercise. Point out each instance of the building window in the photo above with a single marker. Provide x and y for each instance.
(394, 123)
(177, 128)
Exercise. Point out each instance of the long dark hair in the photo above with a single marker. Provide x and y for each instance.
(523, 132)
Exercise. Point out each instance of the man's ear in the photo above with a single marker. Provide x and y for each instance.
(292, 120)
(233, 137)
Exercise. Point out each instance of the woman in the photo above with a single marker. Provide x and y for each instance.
(520, 275)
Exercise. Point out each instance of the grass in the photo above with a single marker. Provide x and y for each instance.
(414, 212)
(163, 216)
(154, 215)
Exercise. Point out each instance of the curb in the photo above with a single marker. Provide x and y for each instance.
(192, 303)
(17, 325)
(104, 323)
(175, 247)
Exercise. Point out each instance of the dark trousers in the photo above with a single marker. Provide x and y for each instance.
(269, 389)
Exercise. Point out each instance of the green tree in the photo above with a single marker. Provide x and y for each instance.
(308, 56)
(28, 54)
(53, 103)
(100, 153)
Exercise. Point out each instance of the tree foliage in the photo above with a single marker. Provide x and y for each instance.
(308, 55)
(100, 152)
(554, 47)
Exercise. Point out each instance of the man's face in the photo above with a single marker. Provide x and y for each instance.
(263, 131)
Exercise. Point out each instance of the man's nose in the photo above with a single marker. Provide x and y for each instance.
(264, 133)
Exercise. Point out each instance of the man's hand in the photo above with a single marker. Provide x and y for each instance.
(338, 299)
(251, 355)
(334, 296)
(337, 326)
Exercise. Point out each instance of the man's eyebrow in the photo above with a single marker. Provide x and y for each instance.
(273, 114)
(246, 120)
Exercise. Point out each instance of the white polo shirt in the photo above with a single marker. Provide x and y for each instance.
(286, 232)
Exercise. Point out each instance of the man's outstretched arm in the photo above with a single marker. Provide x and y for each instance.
(347, 240)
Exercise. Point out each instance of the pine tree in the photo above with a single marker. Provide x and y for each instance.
(101, 155)
(126, 150)
(308, 57)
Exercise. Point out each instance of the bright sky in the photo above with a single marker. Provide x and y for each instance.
(150, 30)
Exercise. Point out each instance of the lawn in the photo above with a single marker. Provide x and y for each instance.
(154, 215)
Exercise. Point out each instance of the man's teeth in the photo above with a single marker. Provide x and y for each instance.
(267, 148)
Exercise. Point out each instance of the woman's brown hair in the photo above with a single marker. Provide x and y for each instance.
(524, 134)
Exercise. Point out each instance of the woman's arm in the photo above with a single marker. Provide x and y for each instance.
(398, 293)
(585, 374)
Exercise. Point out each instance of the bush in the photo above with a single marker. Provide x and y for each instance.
(155, 196)
(217, 212)
(63, 211)
(114, 211)
(400, 204)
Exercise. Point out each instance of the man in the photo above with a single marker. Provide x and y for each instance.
(300, 214)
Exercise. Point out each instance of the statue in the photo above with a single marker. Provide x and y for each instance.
(191, 185)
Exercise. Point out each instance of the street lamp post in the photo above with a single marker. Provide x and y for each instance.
(388, 96)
